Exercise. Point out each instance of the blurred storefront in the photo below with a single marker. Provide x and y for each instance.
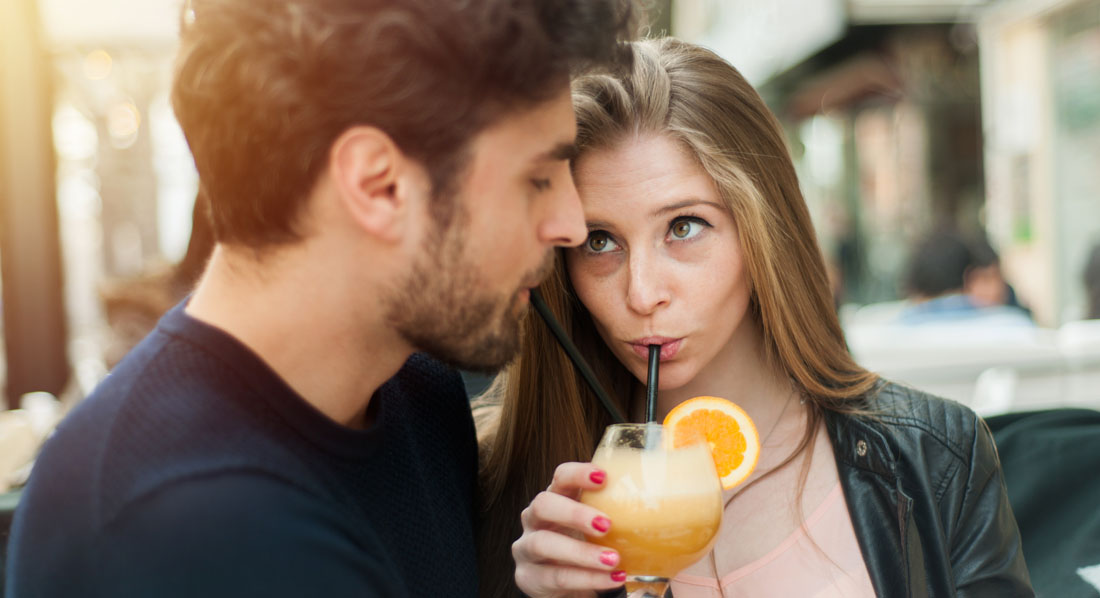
(882, 104)
(981, 115)
(114, 187)
(1041, 99)
(33, 326)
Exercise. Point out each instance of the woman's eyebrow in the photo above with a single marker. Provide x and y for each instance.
(687, 203)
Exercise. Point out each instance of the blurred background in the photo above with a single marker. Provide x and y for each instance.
(976, 121)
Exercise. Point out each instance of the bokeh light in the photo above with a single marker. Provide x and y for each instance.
(123, 122)
(98, 65)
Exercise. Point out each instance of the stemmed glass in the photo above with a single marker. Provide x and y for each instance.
(665, 504)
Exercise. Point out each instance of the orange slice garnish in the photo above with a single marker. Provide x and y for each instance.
(728, 430)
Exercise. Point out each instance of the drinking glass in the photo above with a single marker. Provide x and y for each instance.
(665, 504)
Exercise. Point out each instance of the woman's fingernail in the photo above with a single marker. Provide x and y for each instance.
(609, 558)
(601, 523)
(618, 576)
(597, 477)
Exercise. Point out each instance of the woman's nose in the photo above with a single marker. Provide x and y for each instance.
(647, 287)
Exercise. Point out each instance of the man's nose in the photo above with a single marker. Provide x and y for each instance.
(563, 222)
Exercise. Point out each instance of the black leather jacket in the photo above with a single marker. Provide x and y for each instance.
(927, 498)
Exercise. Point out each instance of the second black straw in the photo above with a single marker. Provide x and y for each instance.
(651, 383)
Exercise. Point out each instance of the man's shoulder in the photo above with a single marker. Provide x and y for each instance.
(241, 532)
(180, 503)
(167, 411)
(230, 505)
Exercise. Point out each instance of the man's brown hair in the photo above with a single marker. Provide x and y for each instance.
(264, 87)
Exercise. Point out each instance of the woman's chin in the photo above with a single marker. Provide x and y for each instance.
(672, 376)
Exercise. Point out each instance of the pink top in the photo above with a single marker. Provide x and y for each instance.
(832, 569)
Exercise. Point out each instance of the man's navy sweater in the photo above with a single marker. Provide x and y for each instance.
(194, 470)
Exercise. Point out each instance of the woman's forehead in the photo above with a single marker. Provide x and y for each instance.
(637, 173)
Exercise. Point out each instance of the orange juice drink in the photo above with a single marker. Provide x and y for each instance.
(665, 506)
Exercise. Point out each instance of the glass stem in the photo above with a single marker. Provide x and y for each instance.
(644, 586)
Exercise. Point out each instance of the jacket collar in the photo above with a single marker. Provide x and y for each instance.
(858, 443)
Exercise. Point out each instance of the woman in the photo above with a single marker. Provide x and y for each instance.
(700, 241)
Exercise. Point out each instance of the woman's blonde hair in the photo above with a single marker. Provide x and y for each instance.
(539, 413)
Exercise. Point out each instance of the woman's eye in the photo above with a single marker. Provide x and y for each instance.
(599, 242)
(540, 184)
(686, 228)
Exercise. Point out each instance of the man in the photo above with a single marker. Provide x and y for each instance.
(385, 177)
(1091, 277)
(985, 282)
(942, 266)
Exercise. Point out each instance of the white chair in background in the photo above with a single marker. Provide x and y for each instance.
(22, 432)
(18, 445)
(1079, 343)
(995, 391)
(948, 360)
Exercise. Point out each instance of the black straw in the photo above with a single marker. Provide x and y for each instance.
(575, 356)
(651, 383)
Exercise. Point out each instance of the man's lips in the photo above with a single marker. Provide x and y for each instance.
(532, 282)
(669, 346)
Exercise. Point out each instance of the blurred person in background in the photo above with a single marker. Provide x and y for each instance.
(386, 181)
(941, 266)
(1091, 277)
(700, 240)
(985, 282)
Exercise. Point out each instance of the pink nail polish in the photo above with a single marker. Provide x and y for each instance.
(609, 558)
(618, 576)
(601, 523)
(597, 477)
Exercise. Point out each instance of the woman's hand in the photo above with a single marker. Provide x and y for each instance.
(552, 559)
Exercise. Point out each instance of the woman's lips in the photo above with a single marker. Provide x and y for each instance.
(669, 346)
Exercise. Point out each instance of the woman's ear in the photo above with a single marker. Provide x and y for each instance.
(375, 181)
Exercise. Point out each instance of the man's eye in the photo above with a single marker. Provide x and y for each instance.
(599, 242)
(540, 184)
(685, 228)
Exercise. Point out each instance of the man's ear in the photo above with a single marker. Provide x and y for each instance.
(373, 179)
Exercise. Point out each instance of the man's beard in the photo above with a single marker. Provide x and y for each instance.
(444, 308)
